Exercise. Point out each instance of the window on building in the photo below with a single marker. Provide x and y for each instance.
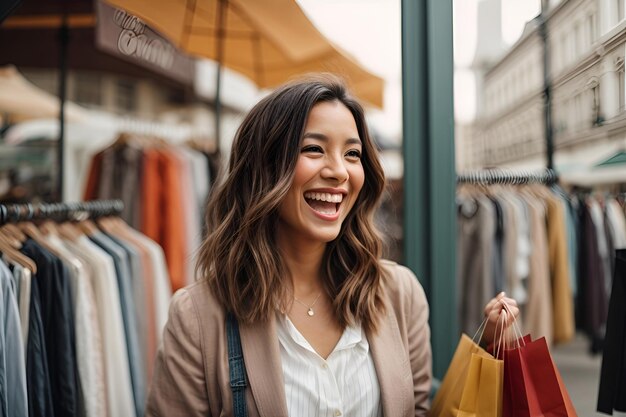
(596, 118)
(577, 47)
(88, 89)
(569, 112)
(621, 92)
(585, 45)
(578, 111)
(564, 57)
(125, 95)
(571, 50)
(591, 19)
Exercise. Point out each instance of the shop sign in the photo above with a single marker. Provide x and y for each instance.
(127, 36)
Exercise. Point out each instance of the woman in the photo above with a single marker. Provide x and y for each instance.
(327, 327)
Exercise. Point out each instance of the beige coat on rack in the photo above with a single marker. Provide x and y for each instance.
(538, 311)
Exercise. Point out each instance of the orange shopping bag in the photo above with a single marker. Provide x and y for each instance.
(482, 392)
(448, 398)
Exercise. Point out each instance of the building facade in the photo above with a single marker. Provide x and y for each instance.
(586, 42)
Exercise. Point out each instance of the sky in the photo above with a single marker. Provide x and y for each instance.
(370, 30)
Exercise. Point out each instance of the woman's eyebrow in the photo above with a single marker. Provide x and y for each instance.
(324, 138)
(315, 135)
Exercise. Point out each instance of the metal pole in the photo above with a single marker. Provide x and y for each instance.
(221, 18)
(547, 88)
(218, 104)
(63, 42)
(415, 127)
(429, 166)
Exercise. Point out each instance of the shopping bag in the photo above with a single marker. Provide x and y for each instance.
(482, 391)
(448, 397)
(545, 392)
(514, 397)
(533, 386)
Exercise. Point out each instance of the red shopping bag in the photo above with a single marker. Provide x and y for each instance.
(514, 398)
(543, 389)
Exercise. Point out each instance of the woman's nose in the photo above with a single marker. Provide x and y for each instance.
(336, 169)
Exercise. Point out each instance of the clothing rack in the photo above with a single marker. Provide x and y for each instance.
(507, 177)
(13, 213)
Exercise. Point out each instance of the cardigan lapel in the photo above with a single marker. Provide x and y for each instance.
(263, 366)
(392, 368)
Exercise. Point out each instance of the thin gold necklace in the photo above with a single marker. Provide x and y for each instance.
(310, 310)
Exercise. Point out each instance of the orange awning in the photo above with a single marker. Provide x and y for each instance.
(269, 41)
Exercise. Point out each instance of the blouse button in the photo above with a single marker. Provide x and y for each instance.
(337, 413)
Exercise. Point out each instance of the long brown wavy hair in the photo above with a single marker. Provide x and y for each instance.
(240, 257)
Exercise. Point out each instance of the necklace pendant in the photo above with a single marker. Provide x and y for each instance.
(310, 312)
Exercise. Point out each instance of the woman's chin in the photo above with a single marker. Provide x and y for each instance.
(326, 236)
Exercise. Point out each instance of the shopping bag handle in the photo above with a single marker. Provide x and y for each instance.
(481, 330)
(501, 339)
(483, 326)
(517, 332)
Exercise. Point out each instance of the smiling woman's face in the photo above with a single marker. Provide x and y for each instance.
(328, 175)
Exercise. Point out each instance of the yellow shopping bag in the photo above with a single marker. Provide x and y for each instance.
(482, 391)
(448, 398)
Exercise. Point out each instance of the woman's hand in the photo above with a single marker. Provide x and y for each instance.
(497, 314)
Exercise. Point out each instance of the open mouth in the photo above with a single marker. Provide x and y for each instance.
(324, 203)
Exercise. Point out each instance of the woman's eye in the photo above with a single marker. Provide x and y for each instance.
(354, 154)
(315, 149)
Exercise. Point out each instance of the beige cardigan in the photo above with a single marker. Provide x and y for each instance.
(191, 375)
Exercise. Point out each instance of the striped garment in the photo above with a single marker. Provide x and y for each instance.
(345, 384)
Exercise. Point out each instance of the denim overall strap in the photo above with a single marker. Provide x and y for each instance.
(237, 367)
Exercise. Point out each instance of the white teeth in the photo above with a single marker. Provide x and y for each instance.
(328, 197)
(328, 212)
